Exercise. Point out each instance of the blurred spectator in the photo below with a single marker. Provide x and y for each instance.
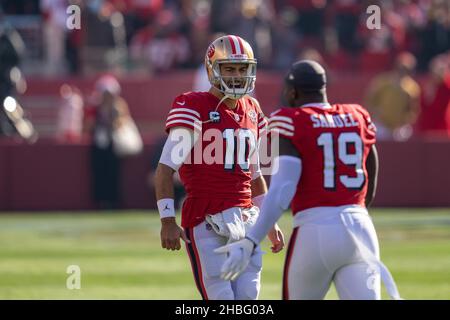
(55, 16)
(70, 117)
(249, 19)
(160, 46)
(18, 7)
(434, 37)
(255, 26)
(12, 49)
(393, 100)
(378, 47)
(73, 45)
(109, 113)
(105, 46)
(196, 27)
(223, 15)
(310, 21)
(137, 13)
(435, 100)
(346, 22)
(162, 35)
(73, 50)
(285, 40)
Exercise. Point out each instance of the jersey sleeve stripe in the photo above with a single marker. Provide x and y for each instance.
(282, 132)
(281, 118)
(176, 110)
(281, 125)
(181, 115)
(183, 123)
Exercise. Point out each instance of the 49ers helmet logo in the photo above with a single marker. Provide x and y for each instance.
(211, 51)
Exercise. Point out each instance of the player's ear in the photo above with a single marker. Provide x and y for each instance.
(288, 96)
(292, 96)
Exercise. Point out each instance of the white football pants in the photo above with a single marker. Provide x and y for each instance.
(323, 249)
(206, 265)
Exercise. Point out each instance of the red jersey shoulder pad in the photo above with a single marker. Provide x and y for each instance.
(256, 104)
(366, 115)
(186, 112)
(363, 114)
(357, 107)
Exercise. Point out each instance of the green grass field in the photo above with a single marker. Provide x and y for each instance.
(120, 256)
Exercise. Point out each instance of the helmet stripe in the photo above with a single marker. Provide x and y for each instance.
(241, 45)
(233, 47)
(236, 44)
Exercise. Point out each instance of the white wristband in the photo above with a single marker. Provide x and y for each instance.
(166, 208)
(258, 200)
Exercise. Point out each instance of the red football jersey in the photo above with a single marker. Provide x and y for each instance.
(217, 174)
(333, 142)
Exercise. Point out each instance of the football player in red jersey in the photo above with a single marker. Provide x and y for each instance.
(213, 144)
(327, 171)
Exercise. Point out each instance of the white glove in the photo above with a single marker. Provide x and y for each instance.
(239, 254)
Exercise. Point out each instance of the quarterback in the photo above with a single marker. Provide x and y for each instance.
(213, 144)
(327, 172)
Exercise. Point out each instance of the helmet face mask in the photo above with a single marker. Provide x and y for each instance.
(231, 50)
(235, 87)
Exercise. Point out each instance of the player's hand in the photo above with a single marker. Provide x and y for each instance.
(276, 237)
(239, 254)
(171, 234)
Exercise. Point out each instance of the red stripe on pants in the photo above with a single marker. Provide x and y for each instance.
(287, 263)
(199, 266)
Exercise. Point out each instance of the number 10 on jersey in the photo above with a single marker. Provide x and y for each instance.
(239, 146)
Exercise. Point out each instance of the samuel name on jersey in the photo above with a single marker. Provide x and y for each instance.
(333, 121)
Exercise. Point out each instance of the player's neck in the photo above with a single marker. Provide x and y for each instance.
(301, 102)
(230, 103)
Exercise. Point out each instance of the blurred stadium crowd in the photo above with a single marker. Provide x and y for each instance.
(151, 37)
(167, 34)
